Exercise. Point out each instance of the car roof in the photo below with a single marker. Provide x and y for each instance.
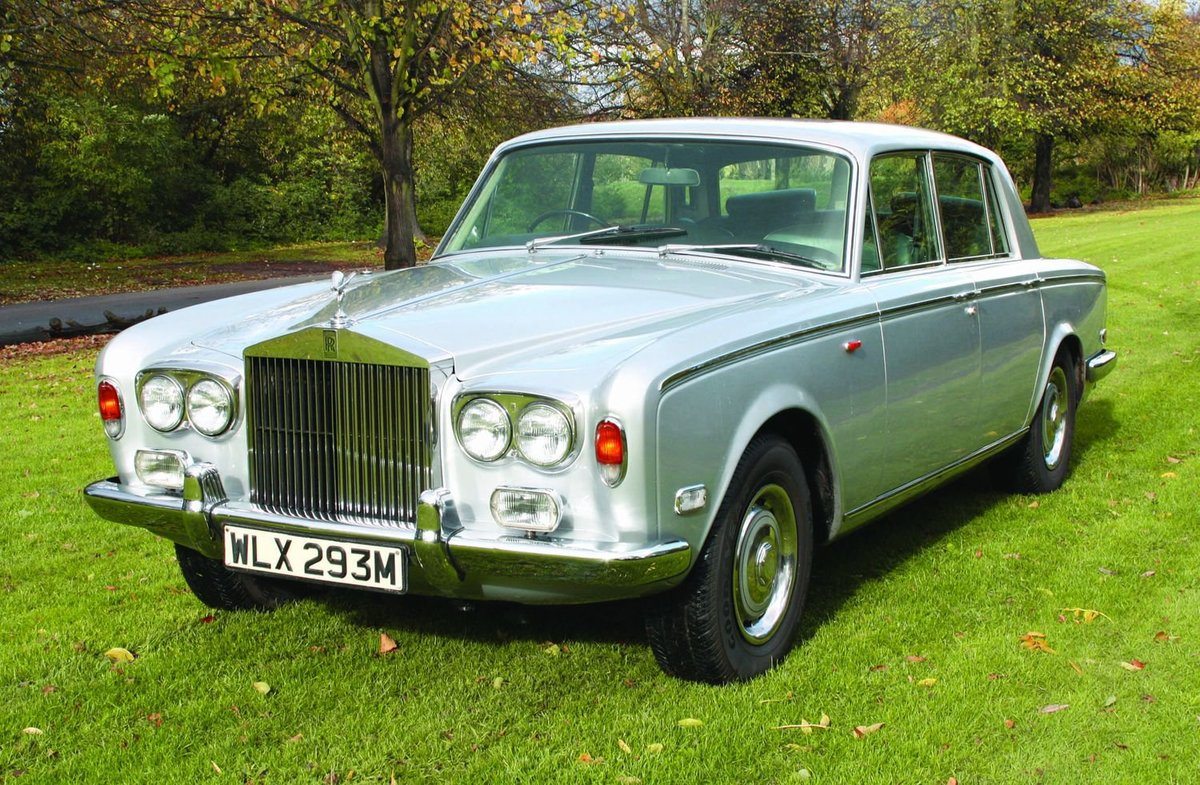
(860, 139)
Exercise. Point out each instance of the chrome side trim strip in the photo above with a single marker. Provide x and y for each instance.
(1069, 277)
(720, 361)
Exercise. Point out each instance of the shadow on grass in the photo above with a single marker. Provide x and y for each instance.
(839, 571)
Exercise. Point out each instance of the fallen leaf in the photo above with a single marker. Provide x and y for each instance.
(1075, 667)
(1133, 665)
(629, 780)
(1012, 555)
(119, 655)
(1010, 724)
(1086, 615)
(625, 748)
(803, 774)
(690, 722)
(978, 553)
(1110, 701)
(33, 731)
(866, 730)
(1172, 459)
(587, 758)
(49, 688)
(654, 749)
(952, 781)
(497, 682)
(552, 650)
(209, 619)
(155, 719)
(1033, 505)
(915, 658)
(1168, 475)
(1036, 641)
(1054, 707)
(216, 768)
(261, 687)
(1162, 636)
(1148, 574)
(927, 682)
(1105, 571)
(386, 644)
(875, 668)
(1151, 496)
(296, 738)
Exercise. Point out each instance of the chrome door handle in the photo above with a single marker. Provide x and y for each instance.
(964, 296)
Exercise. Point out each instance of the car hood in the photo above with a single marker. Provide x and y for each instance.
(486, 312)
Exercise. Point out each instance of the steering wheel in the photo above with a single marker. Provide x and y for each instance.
(564, 211)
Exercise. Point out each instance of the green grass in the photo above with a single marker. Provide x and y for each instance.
(955, 579)
(22, 281)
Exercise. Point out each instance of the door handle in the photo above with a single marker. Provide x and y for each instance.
(964, 296)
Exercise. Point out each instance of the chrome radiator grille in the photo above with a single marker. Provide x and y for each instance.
(338, 441)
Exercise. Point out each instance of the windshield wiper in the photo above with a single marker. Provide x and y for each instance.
(609, 233)
(750, 249)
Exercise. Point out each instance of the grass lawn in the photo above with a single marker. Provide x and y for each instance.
(915, 623)
(51, 280)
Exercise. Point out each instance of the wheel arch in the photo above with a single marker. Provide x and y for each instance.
(1062, 337)
(802, 430)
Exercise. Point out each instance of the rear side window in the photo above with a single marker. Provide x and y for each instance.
(967, 208)
(902, 210)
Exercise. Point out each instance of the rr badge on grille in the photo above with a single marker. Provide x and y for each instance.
(331, 349)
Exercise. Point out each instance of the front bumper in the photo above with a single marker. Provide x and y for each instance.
(1100, 365)
(445, 559)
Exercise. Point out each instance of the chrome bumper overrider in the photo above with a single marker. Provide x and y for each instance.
(1100, 364)
(446, 559)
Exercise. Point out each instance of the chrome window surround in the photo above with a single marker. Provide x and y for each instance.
(513, 404)
(185, 378)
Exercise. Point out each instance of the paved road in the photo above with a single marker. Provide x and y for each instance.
(42, 321)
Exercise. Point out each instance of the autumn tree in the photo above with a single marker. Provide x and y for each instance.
(382, 65)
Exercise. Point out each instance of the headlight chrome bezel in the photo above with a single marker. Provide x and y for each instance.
(515, 406)
(186, 379)
(484, 402)
(153, 378)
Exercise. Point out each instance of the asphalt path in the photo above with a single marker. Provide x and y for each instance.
(41, 321)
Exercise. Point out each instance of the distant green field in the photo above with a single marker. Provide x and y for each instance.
(915, 622)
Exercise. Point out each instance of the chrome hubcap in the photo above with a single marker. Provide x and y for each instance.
(1054, 418)
(764, 566)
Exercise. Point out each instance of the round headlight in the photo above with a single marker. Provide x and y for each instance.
(484, 429)
(209, 407)
(161, 399)
(543, 434)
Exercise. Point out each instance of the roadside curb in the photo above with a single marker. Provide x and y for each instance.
(111, 313)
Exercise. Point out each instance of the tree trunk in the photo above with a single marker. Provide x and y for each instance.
(399, 197)
(1039, 198)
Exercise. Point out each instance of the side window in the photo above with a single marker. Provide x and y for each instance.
(961, 204)
(901, 197)
(999, 238)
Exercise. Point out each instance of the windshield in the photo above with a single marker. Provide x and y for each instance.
(721, 196)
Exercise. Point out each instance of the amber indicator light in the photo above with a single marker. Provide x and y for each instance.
(110, 402)
(610, 444)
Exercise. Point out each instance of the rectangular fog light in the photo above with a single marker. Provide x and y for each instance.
(530, 509)
(160, 468)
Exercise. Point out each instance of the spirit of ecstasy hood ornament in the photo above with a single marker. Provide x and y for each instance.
(338, 283)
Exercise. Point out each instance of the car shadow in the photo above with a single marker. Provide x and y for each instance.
(839, 570)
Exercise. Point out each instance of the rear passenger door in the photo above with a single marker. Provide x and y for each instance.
(930, 330)
(1008, 304)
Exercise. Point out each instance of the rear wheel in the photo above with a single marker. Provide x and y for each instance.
(738, 612)
(1039, 463)
(217, 586)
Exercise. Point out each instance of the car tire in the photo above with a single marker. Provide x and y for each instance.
(737, 613)
(1040, 461)
(217, 586)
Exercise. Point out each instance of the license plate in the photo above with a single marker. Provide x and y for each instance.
(366, 566)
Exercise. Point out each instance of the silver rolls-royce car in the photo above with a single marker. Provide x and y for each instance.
(648, 358)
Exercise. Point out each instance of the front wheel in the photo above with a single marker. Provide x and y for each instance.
(738, 612)
(217, 586)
